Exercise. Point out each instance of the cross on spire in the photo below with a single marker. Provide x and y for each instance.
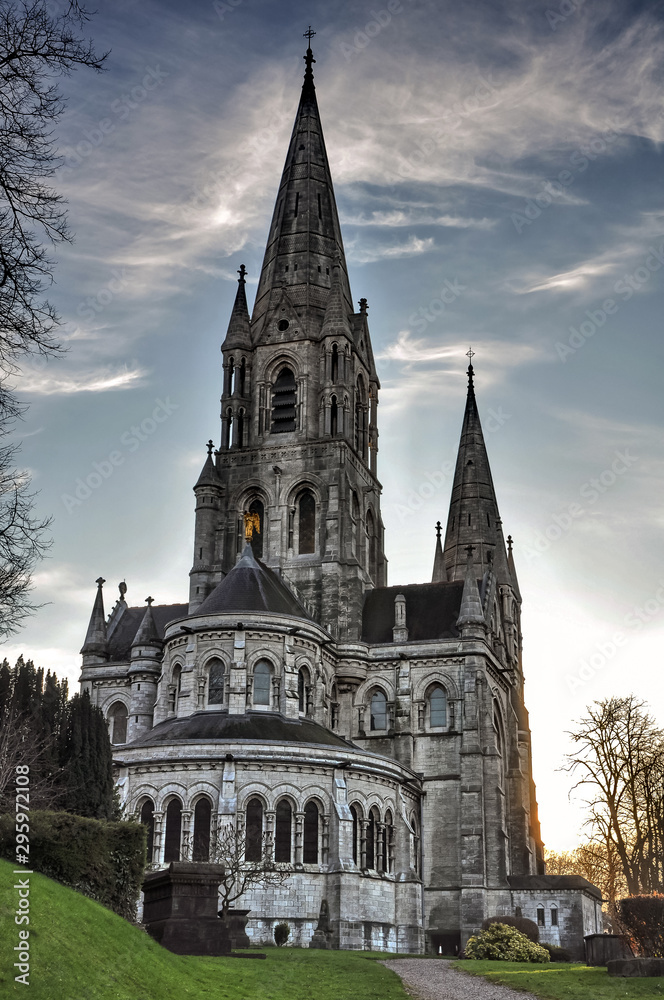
(242, 271)
(148, 601)
(210, 446)
(470, 354)
(439, 528)
(309, 58)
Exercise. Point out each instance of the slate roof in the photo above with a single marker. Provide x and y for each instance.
(252, 587)
(553, 882)
(264, 727)
(431, 611)
(122, 636)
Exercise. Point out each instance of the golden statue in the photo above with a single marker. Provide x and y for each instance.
(252, 523)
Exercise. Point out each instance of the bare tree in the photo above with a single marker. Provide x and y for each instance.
(599, 864)
(620, 759)
(230, 849)
(36, 46)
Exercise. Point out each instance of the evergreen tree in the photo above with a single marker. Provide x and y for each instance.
(86, 761)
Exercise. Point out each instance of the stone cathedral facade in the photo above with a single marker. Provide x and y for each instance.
(377, 734)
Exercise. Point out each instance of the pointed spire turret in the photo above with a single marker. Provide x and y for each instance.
(305, 235)
(147, 634)
(209, 475)
(96, 639)
(512, 568)
(238, 336)
(473, 516)
(471, 612)
(439, 574)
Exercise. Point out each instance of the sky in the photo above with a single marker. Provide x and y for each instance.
(498, 170)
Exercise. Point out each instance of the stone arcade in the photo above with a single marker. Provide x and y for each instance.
(378, 734)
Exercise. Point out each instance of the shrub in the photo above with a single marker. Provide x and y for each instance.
(501, 943)
(642, 917)
(527, 927)
(281, 934)
(557, 953)
(102, 860)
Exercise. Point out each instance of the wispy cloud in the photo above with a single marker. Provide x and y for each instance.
(367, 254)
(101, 380)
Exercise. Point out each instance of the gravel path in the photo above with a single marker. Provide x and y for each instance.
(435, 979)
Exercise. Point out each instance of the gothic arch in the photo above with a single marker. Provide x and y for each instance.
(174, 789)
(436, 676)
(275, 364)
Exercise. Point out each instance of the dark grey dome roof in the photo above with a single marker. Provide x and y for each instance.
(252, 586)
(262, 727)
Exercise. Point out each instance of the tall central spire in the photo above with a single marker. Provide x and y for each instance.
(305, 236)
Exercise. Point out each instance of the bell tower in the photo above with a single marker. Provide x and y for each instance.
(299, 437)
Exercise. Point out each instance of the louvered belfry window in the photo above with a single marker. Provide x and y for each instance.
(283, 402)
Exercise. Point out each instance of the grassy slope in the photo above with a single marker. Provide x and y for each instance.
(560, 981)
(81, 951)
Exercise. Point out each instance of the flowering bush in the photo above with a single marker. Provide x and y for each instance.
(505, 944)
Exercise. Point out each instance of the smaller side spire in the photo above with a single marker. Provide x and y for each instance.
(439, 574)
(238, 336)
(512, 568)
(96, 639)
(471, 612)
(147, 634)
(209, 475)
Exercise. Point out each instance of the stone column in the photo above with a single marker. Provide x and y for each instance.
(186, 835)
(270, 817)
(299, 835)
(157, 843)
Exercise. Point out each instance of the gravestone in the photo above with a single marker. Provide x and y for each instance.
(180, 909)
(323, 934)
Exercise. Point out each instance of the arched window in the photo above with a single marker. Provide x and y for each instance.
(253, 844)
(283, 826)
(239, 430)
(310, 840)
(174, 689)
(334, 416)
(242, 376)
(415, 843)
(334, 363)
(361, 418)
(147, 818)
(215, 681)
(437, 707)
(307, 522)
(118, 718)
(388, 853)
(355, 522)
(231, 376)
(540, 916)
(202, 817)
(372, 831)
(378, 711)
(554, 916)
(302, 689)
(262, 694)
(372, 546)
(284, 402)
(228, 430)
(356, 833)
(173, 831)
(256, 507)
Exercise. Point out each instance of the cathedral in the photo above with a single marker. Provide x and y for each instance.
(374, 736)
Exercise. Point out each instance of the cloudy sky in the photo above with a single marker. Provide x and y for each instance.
(508, 155)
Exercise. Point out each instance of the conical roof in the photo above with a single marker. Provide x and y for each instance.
(473, 517)
(96, 638)
(147, 634)
(439, 574)
(471, 612)
(209, 475)
(251, 587)
(305, 236)
(238, 336)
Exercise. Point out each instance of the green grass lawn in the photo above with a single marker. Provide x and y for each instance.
(82, 951)
(560, 981)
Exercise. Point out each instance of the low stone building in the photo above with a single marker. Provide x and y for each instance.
(377, 736)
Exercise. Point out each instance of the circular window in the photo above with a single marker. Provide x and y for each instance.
(283, 324)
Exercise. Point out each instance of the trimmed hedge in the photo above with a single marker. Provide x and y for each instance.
(527, 927)
(500, 943)
(102, 860)
(557, 953)
(643, 920)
